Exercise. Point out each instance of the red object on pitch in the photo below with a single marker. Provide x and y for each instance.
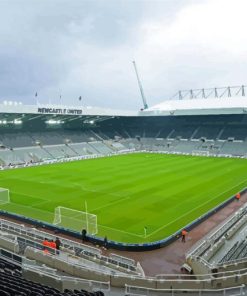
(238, 196)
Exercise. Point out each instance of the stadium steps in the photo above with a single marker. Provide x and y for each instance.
(97, 136)
(47, 151)
(70, 147)
(82, 148)
(102, 147)
(185, 146)
(170, 134)
(244, 252)
(95, 149)
(34, 157)
(90, 149)
(220, 133)
(110, 145)
(222, 146)
(2, 162)
(117, 134)
(240, 249)
(229, 254)
(237, 251)
(195, 132)
(233, 148)
(23, 154)
(127, 133)
(159, 132)
(58, 151)
(11, 157)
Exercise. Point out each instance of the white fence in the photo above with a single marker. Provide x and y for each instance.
(92, 253)
(142, 291)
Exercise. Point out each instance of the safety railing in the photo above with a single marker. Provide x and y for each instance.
(216, 234)
(208, 276)
(122, 259)
(142, 291)
(227, 278)
(71, 281)
(79, 249)
(94, 285)
(31, 265)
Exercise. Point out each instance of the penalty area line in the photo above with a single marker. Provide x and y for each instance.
(122, 231)
(121, 198)
(28, 208)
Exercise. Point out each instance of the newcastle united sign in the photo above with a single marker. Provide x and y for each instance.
(60, 111)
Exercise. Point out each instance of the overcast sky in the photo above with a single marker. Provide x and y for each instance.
(86, 48)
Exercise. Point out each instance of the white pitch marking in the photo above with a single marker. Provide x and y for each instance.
(164, 226)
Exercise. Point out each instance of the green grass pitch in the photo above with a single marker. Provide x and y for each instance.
(127, 192)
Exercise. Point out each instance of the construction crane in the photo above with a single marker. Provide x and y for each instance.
(145, 105)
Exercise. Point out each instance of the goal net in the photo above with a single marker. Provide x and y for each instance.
(200, 153)
(4, 196)
(76, 220)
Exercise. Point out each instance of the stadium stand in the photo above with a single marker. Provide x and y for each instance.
(12, 283)
(18, 237)
(220, 135)
(224, 249)
(218, 261)
(25, 242)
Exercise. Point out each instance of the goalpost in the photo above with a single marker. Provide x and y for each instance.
(76, 220)
(4, 196)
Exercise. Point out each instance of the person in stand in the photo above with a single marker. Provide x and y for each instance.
(184, 233)
(238, 195)
(45, 245)
(58, 244)
(52, 244)
(105, 243)
(83, 235)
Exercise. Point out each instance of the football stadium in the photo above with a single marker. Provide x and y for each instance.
(109, 185)
(101, 201)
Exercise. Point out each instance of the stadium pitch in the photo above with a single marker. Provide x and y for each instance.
(127, 193)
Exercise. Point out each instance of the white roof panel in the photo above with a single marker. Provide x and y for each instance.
(235, 105)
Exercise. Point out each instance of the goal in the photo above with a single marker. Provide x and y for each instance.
(76, 220)
(4, 196)
(200, 153)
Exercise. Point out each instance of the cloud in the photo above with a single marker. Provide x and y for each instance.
(86, 48)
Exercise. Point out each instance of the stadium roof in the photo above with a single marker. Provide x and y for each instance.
(14, 113)
(209, 106)
(232, 105)
(11, 107)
